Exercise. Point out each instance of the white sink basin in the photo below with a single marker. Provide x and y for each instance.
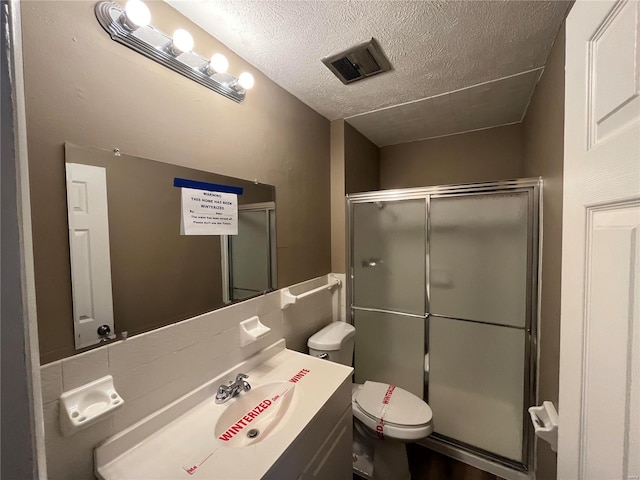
(182, 440)
(253, 416)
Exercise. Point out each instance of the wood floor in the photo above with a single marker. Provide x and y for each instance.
(426, 464)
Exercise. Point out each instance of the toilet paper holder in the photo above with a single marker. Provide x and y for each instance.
(545, 423)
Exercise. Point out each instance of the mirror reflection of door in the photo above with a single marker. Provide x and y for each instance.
(250, 255)
(89, 254)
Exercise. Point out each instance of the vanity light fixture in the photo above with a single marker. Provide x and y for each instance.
(181, 42)
(245, 80)
(136, 14)
(131, 27)
(217, 64)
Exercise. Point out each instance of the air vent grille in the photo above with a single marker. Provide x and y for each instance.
(346, 69)
(358, 63)
(366, 62)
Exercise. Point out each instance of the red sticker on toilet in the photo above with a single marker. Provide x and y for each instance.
(385, 402)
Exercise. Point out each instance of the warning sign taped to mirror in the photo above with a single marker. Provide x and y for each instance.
(208, 213)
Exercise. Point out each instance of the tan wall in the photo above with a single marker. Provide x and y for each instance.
(355, 162)
(543, 146)
(338, 218)
(84, 88)
(362, 162)
(485, 155)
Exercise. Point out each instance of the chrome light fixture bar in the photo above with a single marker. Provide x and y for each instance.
(130, 27)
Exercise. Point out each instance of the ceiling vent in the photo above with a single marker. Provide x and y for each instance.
(358, 63)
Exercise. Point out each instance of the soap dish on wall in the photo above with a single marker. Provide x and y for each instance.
(251, 330)
(545, 423)
(88, 404)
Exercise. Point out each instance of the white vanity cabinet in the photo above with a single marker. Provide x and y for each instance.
(323, 448)
(334, 459)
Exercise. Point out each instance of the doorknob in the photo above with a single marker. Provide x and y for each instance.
(104, 330)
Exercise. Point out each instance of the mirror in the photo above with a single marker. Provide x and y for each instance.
(155, 275)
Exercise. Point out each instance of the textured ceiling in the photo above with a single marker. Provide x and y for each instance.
(499, 102)
(434, 46)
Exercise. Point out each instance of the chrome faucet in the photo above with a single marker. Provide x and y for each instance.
(225, 392)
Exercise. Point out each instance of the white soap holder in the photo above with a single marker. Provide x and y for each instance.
(88, 404)
(545, 423)
(251, 330)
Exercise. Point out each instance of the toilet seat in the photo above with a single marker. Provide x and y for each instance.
(391, 411)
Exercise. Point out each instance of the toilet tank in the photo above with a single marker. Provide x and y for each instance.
(336, 340)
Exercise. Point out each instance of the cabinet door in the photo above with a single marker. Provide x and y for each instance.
(333, 461)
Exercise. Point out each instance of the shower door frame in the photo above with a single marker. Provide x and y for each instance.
(533, 186)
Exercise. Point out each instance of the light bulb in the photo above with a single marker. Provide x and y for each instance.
(137, 14)
(245, 80)
(182, 41)
(218, 63)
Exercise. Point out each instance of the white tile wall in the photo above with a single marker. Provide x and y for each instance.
(81, 369)
(155, 368)
(51, 380)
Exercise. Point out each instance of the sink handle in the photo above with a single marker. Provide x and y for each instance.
(221, 394)
(225, 392)
(242, 383)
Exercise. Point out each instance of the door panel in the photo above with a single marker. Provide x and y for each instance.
(476, 384)
(390, 349)
(478, 257)
(599, 402)
(250, 251)
(610, 422)
(389, 255)
(89, 252)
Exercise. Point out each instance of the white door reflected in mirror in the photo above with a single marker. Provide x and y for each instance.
(90, 259)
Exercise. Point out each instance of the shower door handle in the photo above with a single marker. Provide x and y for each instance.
(372, 262)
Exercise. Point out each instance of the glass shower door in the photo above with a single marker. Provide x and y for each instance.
(389, 290)
(389, 252)
(479, 304)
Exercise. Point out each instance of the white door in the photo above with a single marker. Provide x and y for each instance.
(90, 257)
(599, 404)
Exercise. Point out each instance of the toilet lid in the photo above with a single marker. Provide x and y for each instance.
(393, 404)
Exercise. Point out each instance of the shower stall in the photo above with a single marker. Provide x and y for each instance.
(442, 291)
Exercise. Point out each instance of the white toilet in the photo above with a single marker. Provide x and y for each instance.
(385, 416)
